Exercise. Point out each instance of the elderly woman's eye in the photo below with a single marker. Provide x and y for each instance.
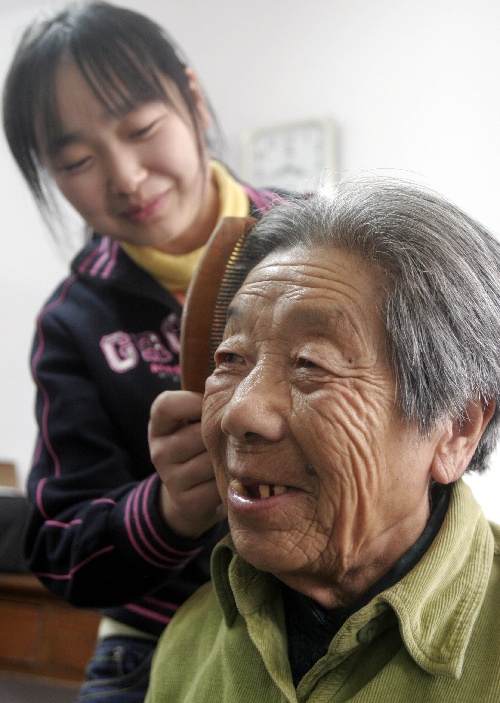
(306, 364)
(227, 357)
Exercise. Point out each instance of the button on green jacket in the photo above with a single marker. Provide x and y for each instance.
(434, 637)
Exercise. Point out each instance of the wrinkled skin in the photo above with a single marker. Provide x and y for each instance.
(302, 397)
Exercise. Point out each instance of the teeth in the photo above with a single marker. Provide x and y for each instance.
(238, 487)
(264, 490)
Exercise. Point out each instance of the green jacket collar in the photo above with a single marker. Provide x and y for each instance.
(436, 603)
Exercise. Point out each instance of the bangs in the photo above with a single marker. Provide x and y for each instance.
(120, 80)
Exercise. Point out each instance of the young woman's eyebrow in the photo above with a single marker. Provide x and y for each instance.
(57, 144)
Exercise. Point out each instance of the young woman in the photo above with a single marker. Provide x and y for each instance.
(100, 107)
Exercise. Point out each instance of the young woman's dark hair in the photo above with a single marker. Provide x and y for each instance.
(122, 55)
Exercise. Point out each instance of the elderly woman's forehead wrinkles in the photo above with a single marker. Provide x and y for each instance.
(242, 306)
(275, 268)
(327, 319)
(350, 334)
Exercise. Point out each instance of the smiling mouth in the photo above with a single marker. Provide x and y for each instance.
(146, 210)
(258, 491)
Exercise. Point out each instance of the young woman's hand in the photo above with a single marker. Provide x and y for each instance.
(189, 500)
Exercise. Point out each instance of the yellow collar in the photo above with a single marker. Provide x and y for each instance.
(175, 272)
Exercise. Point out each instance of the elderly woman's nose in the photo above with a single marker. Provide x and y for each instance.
(257, 409)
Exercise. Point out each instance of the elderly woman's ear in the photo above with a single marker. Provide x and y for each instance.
(459, 441)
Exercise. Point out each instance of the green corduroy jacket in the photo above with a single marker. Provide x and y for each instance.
(433, 637)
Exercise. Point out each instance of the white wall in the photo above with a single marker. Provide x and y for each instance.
(412, 86)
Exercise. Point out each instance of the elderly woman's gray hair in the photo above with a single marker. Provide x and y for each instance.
(440, 270)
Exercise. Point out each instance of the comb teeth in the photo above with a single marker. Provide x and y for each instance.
(221, 259)
(230, 283)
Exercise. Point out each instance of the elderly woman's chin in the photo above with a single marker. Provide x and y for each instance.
(272, 551)
(272, 533)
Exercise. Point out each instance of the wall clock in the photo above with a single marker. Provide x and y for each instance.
(292, 155)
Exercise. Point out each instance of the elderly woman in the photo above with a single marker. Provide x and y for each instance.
(356, 382)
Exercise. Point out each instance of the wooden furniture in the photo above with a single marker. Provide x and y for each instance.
(40, 634)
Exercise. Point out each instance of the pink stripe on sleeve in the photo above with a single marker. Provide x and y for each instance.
(41, 347)
(150, 614)
(133, 541)
(69, 575)
(63, 525)
(167, 547)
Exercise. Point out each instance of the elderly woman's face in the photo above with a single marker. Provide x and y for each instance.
(324, 483)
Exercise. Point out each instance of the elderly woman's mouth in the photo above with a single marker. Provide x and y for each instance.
(257, 490)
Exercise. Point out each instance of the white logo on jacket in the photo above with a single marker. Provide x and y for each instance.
(124, 350)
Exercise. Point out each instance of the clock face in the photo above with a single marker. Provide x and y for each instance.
(296, 156)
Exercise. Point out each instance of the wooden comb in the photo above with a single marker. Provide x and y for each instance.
(209, 294)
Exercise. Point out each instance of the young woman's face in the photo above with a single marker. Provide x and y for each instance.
(138, 178)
